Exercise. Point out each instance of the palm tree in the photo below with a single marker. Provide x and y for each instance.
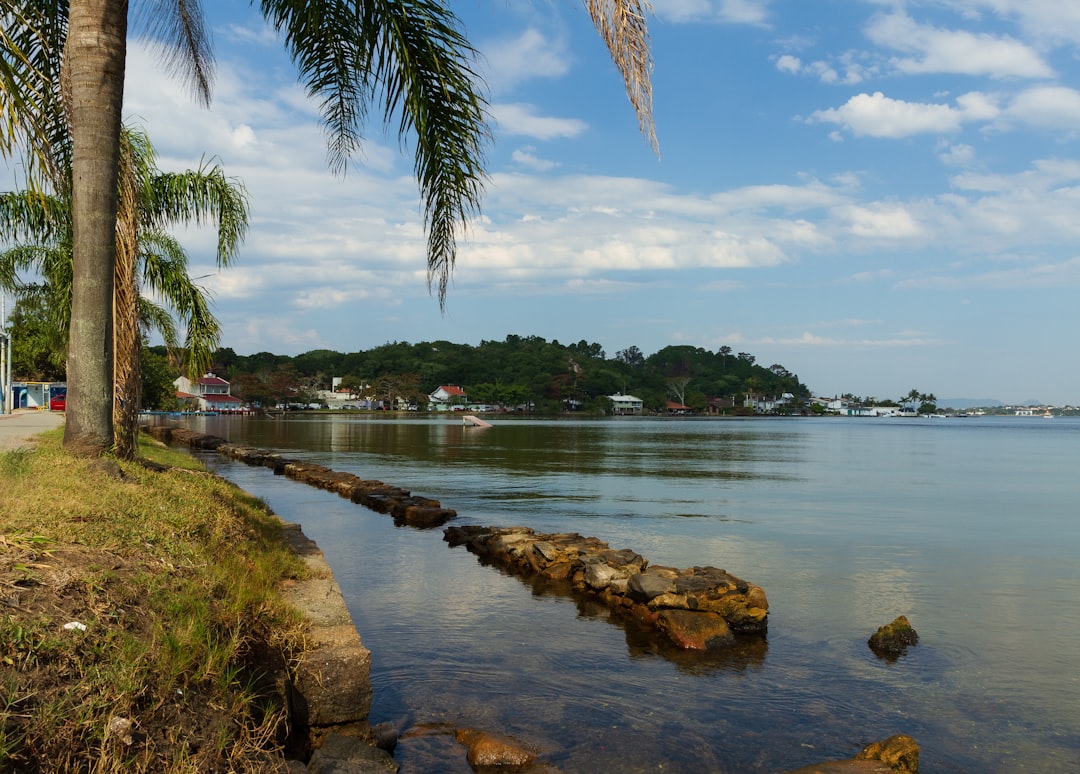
(405, 57)
(149, 202)
(147, 256)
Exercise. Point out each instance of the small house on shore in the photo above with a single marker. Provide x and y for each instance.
(446, 396)
(208, 393)
(626, 404)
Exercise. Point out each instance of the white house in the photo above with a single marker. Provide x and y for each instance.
(445, 396)
(209, 393)
(626, 404)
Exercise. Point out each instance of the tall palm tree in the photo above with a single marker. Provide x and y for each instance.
(147, 257)
(407, 58)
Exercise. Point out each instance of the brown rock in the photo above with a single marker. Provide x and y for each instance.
(692, 630)
(900, 752)
(485, 749)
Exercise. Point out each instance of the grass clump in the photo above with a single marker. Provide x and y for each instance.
(141, 627)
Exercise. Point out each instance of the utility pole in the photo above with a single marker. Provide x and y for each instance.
(5, 359)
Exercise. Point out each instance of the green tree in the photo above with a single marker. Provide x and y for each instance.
(39, 341)
(157, 391)
(406, 57)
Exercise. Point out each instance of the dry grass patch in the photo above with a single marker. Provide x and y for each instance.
(140, 624)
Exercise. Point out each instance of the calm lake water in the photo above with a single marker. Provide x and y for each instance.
(968, 526)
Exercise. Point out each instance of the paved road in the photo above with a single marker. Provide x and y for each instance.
(19, 429)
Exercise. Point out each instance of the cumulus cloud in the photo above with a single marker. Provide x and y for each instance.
(936, 50)
(875, 115)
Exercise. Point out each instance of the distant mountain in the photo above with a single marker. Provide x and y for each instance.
(966, 403)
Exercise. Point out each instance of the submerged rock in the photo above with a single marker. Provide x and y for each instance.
(898, 754)
(486, 750)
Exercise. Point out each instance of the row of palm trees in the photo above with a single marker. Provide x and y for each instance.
(62, 81)
(916, 398)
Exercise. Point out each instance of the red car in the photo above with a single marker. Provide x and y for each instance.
(58, 400)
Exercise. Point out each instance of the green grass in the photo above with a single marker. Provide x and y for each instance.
(175, 577)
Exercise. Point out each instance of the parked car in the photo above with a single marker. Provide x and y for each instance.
(58, 400)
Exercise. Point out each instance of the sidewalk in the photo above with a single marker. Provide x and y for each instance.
(19, 429)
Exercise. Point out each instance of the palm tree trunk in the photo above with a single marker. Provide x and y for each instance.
(95, 55)
(125, 310)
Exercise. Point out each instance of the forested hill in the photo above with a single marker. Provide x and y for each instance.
(519, 369)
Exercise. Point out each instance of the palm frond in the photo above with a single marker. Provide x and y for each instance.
(165, 273)
(180, 32)
(424, 64)
(623, 27)
(412, 54)
(155, 317)
(32, 34)
(198, 196)
(33, 217)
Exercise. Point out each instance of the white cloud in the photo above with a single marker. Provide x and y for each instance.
(521, 119)
(1053, 21)
(847, 69)
(526, 157)
(530, 55)
(788, 64)
(875, 115)
(1048, 107)
(881, 222)
(753, 12)
(958, 155)
(935, 50)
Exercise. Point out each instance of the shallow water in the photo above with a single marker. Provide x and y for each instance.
(967, 526)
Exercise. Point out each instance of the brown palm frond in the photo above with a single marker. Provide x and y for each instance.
(622, 25)
(126, 340)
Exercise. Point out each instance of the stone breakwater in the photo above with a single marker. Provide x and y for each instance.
(700, 608)
(405, 508)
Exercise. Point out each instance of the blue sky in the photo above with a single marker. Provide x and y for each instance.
(878, 195)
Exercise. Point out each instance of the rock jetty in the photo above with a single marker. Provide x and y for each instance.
(700, 608)
(406, 508)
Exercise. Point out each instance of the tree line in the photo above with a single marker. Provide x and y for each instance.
(518, 370)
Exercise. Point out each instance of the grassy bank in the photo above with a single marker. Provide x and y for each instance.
(140, 625)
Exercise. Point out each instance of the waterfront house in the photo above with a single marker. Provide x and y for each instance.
(626, 404)
(208, 393)
(447, 396)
